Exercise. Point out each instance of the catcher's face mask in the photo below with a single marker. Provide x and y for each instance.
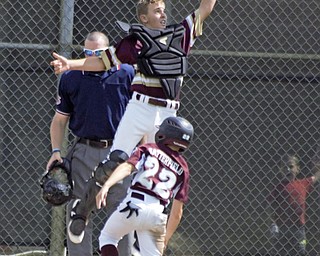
(56, 184)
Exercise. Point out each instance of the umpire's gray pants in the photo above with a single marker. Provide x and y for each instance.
(83, 160)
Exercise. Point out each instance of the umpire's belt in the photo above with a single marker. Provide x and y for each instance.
(96, 143)
(172, 104)
(148, 199)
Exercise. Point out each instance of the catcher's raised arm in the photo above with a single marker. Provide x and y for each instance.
(62, 64)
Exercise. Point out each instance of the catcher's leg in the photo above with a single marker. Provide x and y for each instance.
(82, 209)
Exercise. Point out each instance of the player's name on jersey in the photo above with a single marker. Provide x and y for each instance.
(166, 160)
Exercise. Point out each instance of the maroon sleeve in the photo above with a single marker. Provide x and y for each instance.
(127, 50)
(181, 193)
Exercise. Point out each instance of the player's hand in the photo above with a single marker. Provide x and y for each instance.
(101, 197)
(60, 64)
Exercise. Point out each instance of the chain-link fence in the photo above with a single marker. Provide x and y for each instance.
(252, 93)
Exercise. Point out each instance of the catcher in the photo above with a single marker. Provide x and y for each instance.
(160, 52)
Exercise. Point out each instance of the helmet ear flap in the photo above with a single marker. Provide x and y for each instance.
(159, 137)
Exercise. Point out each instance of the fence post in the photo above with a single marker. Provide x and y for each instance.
(57, 247)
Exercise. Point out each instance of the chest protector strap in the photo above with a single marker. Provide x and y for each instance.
(162, 56)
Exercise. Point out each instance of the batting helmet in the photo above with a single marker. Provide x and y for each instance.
(175, 131)
(56, 183)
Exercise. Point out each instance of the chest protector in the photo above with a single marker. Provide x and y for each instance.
(162, 56)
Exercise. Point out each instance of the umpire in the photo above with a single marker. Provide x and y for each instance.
(91, 104)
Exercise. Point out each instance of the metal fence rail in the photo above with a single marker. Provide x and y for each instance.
(252, 93)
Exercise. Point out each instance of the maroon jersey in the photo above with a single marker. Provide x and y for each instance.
(161, 172)
(288, 200)
(126, 51)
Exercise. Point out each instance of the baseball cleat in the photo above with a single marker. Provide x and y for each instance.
(77, 224)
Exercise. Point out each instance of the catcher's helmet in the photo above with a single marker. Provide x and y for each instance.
(56, 183)
(175, 131)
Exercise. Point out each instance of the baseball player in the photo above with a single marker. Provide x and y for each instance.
(92, 104)
(161, 173)
(156, 85)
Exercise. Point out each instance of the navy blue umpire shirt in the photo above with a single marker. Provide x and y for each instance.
(95, 101)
